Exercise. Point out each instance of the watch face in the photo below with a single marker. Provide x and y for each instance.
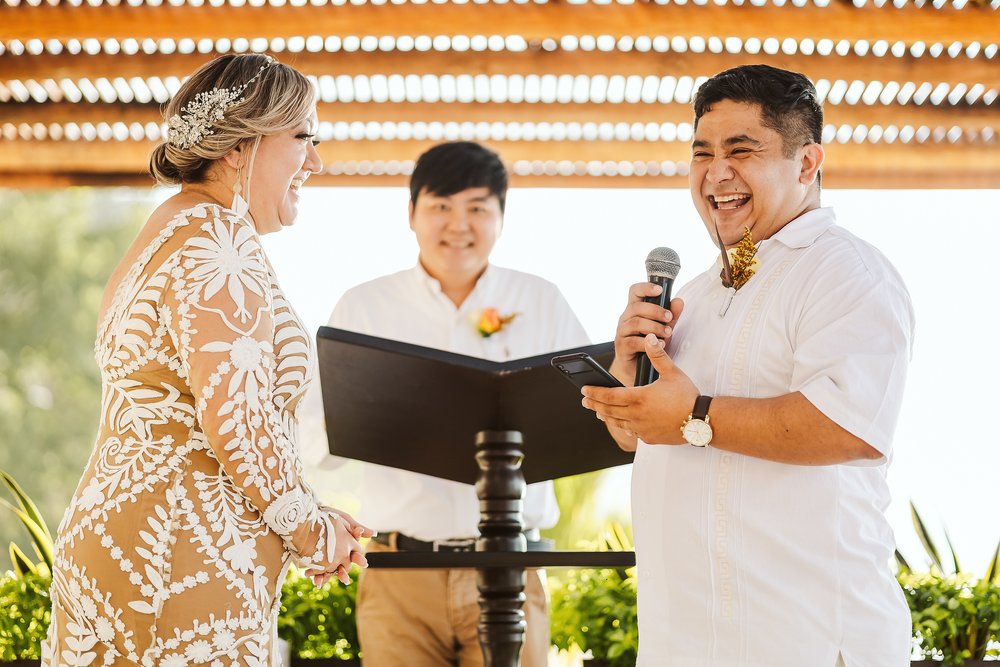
(697, 432)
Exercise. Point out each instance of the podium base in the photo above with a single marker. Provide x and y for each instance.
(501, 554)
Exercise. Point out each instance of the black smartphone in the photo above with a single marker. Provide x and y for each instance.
(581, 369)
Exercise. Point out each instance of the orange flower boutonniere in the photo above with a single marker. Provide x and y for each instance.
(491, 321)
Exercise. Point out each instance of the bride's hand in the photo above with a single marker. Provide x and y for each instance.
(346, 551)
(357, 530)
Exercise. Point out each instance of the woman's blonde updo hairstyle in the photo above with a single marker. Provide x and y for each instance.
(278, 100)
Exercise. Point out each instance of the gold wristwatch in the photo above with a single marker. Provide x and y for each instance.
(696, 430)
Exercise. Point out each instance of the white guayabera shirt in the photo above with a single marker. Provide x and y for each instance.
(410, 307)
(744, 562)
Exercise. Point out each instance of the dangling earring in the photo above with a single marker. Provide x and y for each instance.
(240, 206)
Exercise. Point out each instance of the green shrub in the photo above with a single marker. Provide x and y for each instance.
(24, 615)
(25, 606)
(319, 622)
(594, 610)
(956, 616)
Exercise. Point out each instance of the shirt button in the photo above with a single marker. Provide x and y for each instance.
(685, 346)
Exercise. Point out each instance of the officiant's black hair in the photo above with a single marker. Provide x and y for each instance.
(456, 166)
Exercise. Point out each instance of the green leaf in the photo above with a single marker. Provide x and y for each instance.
(901, 564)
(26, 503)
(993, 571)
(951, 547)
(39, 535)
(22, 564)
(622, 540)
(925, 538)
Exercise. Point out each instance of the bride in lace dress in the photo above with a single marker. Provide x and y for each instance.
(192, 506)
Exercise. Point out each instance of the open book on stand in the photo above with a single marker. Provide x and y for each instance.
(419, 409)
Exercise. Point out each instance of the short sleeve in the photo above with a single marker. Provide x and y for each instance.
(852, 346)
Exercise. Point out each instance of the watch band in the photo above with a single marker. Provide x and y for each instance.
(700, 410)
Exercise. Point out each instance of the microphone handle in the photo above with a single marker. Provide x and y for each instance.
(644, 371)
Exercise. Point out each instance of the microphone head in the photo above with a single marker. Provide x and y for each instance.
(663, 262)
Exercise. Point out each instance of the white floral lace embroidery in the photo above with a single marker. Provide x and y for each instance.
(175, 544)
(288, 512)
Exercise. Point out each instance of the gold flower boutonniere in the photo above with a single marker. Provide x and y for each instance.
(739, 263)
(490, 321)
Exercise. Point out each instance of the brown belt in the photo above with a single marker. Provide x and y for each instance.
(406, 543)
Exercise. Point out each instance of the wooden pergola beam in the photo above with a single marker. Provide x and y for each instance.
(975, 165)
(976, 117)
(23, 181)
(838, 20)
(532, 61)
(842, 179)
(63, 180)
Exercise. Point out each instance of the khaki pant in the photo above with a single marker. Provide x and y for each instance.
(427, 618)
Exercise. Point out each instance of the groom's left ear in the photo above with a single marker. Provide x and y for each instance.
(811, 161)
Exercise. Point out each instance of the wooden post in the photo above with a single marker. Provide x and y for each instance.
(501, 489)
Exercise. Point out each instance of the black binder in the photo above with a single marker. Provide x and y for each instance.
(419, 409)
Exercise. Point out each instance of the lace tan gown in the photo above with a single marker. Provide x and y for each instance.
(174, 547)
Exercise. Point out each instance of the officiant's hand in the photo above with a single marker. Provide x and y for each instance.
(653, 413)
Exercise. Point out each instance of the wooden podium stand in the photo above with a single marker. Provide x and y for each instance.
(421, 409)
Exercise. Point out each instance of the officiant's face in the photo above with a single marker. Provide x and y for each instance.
(456, 233)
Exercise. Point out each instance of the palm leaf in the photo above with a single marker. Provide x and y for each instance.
(22, 564)
(39, 535)
(925, 538)
(954, 556)
(902, 564)
(993, 572)
(619, 540)
(25, 502)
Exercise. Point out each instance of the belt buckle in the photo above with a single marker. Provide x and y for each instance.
(453, 545)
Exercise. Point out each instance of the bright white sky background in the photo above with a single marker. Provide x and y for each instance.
(592, 243)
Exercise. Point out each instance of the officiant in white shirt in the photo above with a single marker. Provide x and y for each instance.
(453, 299)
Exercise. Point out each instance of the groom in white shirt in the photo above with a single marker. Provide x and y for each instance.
(453, 300)
(759, 485)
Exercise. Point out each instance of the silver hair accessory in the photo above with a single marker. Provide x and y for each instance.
(197, 118)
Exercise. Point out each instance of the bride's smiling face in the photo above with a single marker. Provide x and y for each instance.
(282, 164)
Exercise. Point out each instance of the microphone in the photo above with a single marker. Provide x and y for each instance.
(662, 266)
